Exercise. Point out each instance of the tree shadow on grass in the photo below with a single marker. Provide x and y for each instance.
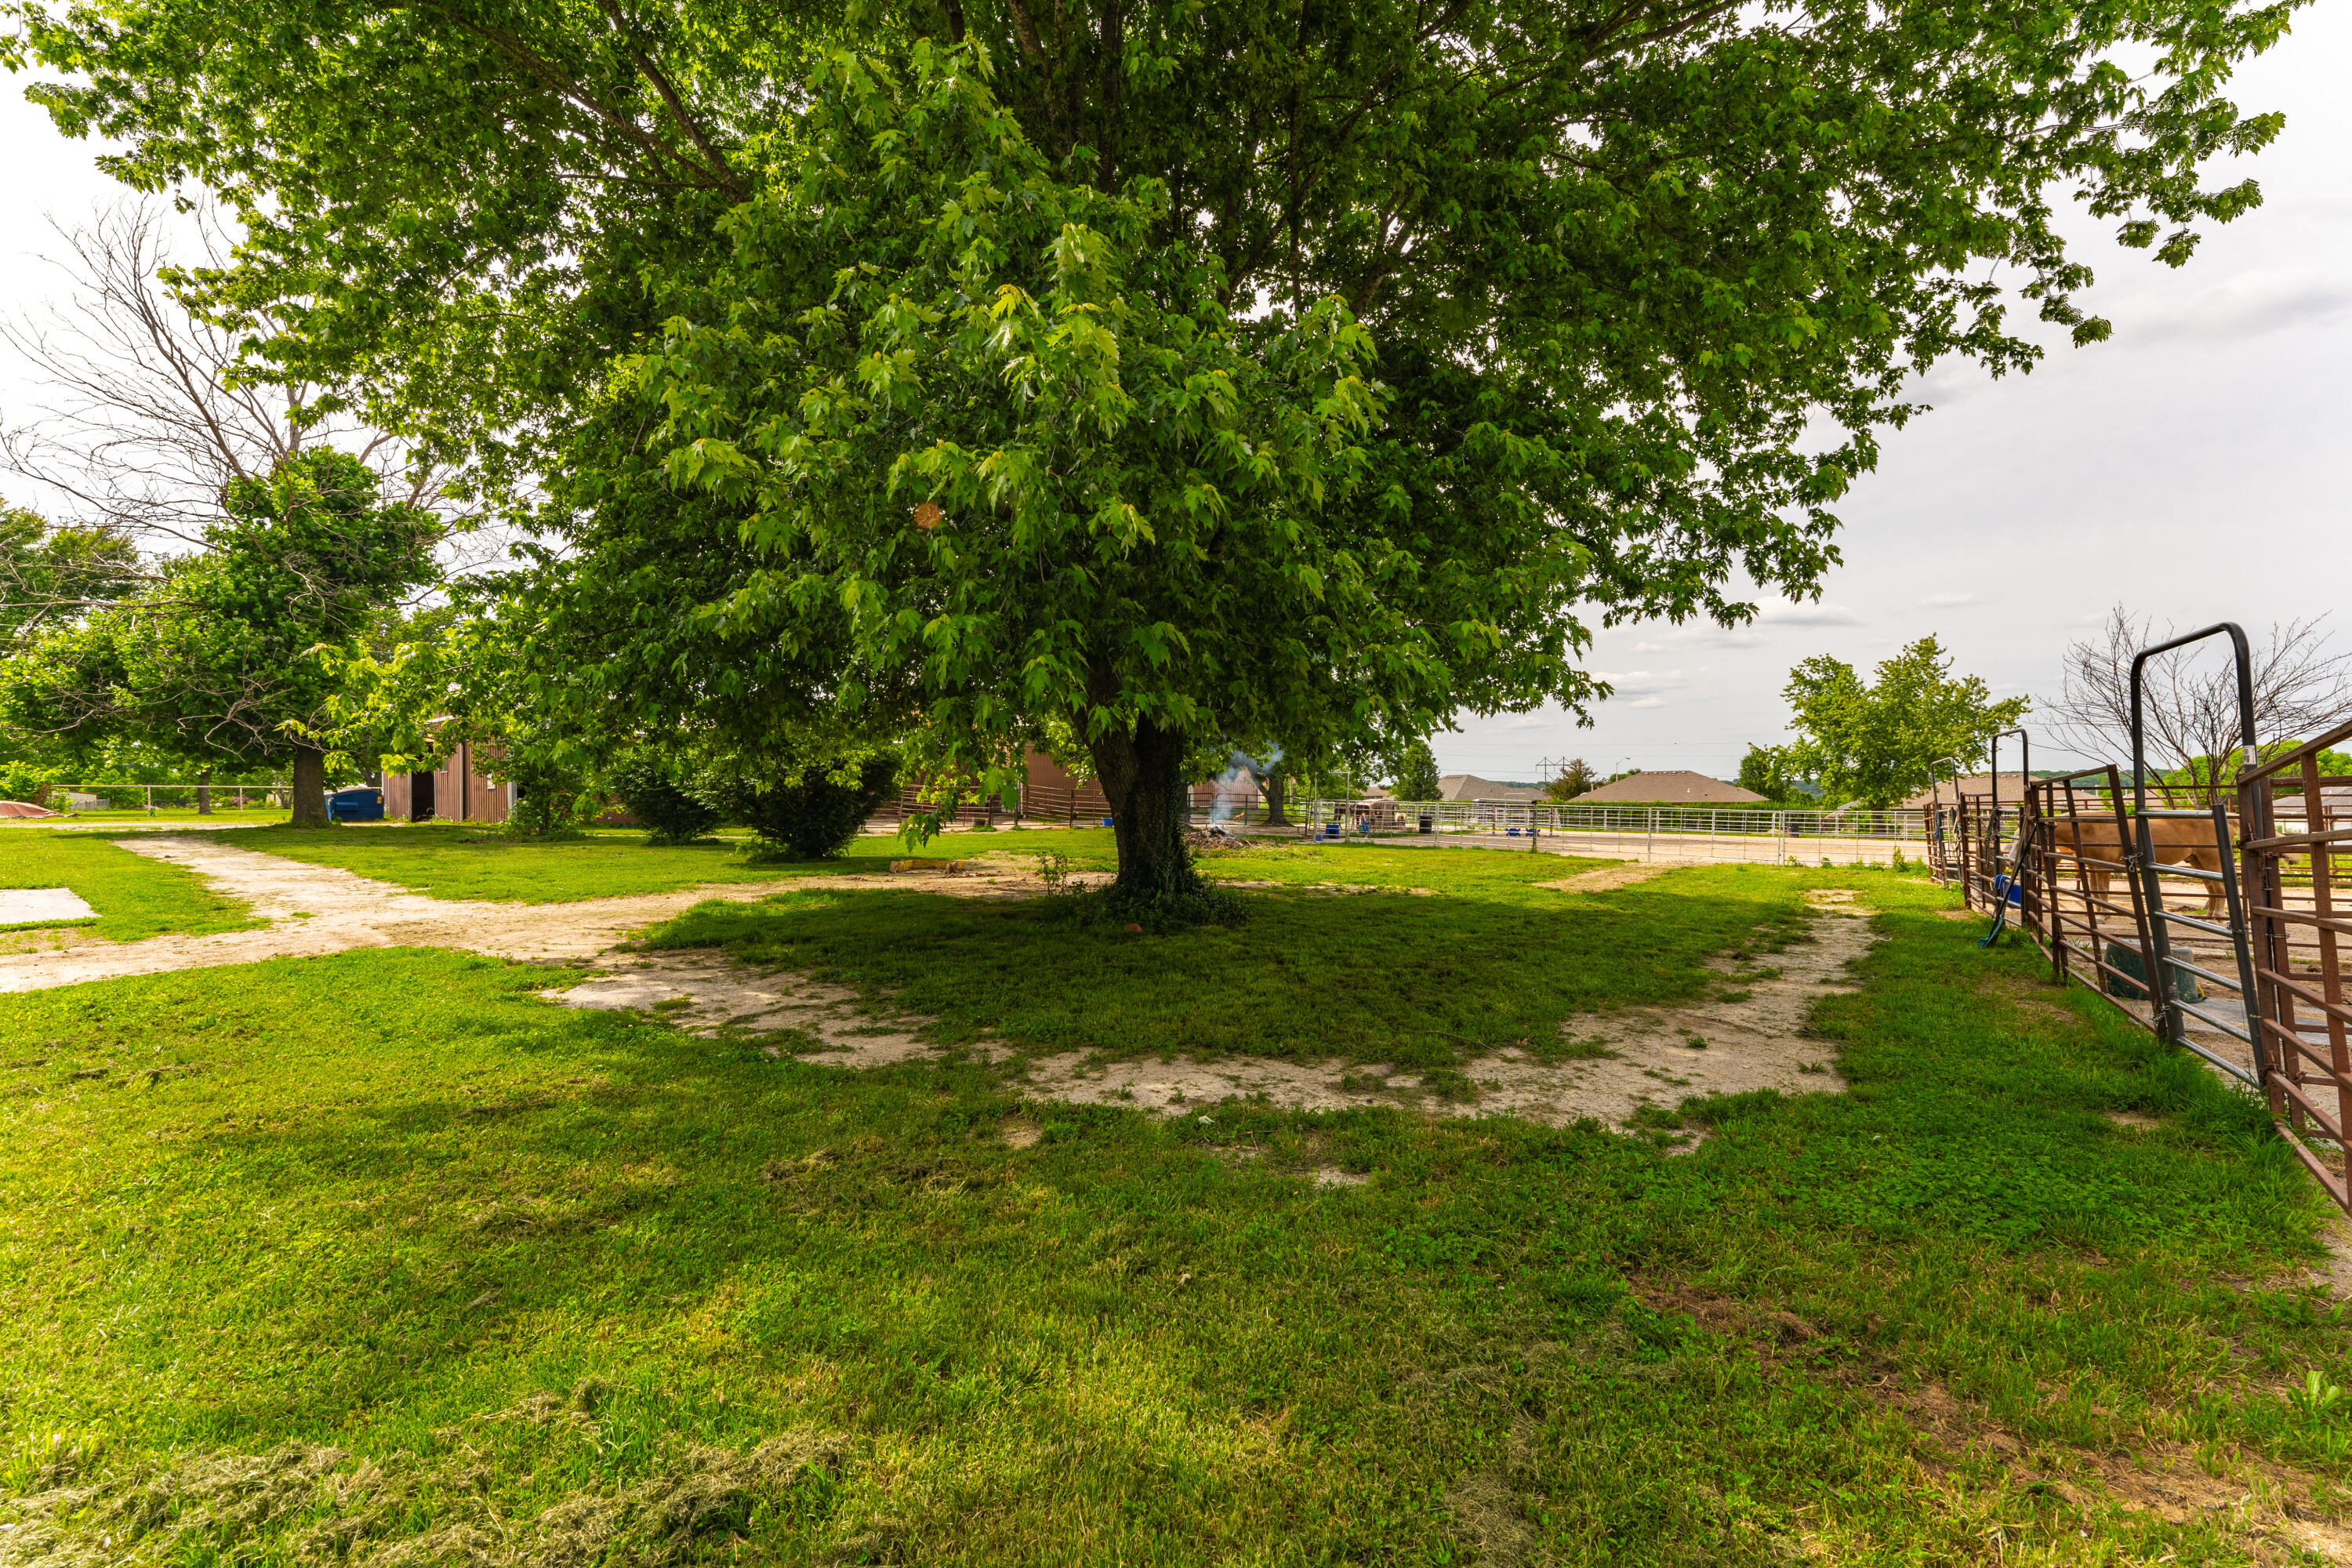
(1421, 984)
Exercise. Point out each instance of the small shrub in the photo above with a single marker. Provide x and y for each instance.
(550, 803)
(813, 817)
(655, 790)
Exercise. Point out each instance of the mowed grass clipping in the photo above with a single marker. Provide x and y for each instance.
(381, 1255)
(454, 860)
(1490, 959)
(134, 895)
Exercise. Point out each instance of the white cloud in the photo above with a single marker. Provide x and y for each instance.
(1787, 613)
(1648, 702)
(1951, 601)
(2248, 305)
(1641, 682)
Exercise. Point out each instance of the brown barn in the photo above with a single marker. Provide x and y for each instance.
(457, 791)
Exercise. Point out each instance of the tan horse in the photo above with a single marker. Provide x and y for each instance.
(2177, 840)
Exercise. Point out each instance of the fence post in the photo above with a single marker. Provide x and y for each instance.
(1650, 838)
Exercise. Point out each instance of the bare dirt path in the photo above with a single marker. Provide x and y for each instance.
(315, 909)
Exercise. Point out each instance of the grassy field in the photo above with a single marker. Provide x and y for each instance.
(452, 861)
(380, 1253)
(134, 896)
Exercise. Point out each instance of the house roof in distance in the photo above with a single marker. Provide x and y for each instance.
(1671, 786)
(1470, 786)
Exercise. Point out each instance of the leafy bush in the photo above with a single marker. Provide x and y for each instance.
(653, 788)
(551, 800)
(816, 815)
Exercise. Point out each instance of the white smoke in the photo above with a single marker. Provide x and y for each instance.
(1232, 793)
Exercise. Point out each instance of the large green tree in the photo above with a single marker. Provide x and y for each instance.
(1877, 740)
(231, 659)
(1173, 370)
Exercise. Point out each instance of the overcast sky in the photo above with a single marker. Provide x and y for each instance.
(2194, 468)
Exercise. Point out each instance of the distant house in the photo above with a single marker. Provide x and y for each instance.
(1470, 786)
(2012, 790)
(1670, 786)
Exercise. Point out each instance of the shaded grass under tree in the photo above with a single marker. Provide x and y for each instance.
(1493, 960)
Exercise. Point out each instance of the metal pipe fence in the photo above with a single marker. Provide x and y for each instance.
(1681, 835)
(2219, 925)
(224, 796)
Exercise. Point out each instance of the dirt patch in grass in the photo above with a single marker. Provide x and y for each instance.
(707, 994)
(50, 939)
(1607, 877)
(2332, 1273)
(2257, 1500)
(1626, 1069)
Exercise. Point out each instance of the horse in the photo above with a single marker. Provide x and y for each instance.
(2177, 841)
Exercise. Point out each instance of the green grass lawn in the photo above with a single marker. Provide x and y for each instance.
(380, 1258)
(134, 895)
(453, 860)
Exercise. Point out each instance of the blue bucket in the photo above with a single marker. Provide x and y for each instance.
(2004, 886)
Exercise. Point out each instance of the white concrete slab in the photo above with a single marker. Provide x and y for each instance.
(42, 906)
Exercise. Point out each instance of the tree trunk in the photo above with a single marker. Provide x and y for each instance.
(205, 793)
(1142, 777)
(308, 790)
(1277, 788)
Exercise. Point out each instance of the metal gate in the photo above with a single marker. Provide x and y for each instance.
(2253, 981)
(2296, 970)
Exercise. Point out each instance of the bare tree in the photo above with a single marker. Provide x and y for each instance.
(2189, 697)
(151, 410)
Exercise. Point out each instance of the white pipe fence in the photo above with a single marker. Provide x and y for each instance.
(178, 796)
(1691, 834)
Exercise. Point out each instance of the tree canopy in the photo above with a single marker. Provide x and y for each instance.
(229, 659)
(1879, 741)
(1173, 370)
(54, 574)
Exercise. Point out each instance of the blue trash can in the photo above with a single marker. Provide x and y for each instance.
(355, 806)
